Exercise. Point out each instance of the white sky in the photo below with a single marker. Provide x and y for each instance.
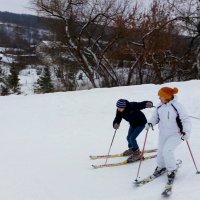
(23, 6)
(16, 6)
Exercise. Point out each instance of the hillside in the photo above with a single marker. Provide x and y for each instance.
(46, 140)
(22, 30)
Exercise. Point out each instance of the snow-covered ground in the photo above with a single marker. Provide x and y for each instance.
(45, 141)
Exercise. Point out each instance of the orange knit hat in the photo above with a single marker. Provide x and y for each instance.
(167, 92)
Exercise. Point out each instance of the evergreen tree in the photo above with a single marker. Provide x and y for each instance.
(44, 82)
(13, 80)
(3, 88)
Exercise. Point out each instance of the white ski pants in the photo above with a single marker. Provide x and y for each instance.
(166, 147)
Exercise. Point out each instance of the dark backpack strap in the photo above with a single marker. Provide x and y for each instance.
(157, 112)
(175, 109)
(178, 120)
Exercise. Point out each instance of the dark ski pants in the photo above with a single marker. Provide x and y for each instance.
(133, 132)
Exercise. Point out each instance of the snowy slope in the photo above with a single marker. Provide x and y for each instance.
(45, 141)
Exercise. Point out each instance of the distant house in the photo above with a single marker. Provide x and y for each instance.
(48, 46)
(27, 59)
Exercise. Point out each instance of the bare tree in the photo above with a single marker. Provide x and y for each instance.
(148, 45)
(87, 32)
(117, 42)
(187, 12)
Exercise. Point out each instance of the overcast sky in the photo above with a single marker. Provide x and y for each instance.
(16, 6)
(23, 6)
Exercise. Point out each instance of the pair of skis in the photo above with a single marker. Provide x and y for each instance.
(168, 187)
(145, 157)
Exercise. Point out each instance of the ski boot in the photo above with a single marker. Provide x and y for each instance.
(136, 155)
(159, 171)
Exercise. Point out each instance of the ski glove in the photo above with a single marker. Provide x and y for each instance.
(148, 126)
(184, 136)
(116, 126)
(149, 104)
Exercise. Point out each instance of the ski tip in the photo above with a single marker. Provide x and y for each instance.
(166, 193)
(136, 183)
(94, 166)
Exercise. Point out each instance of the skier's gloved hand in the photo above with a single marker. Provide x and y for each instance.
(149, 104)
(116, 126)
(148, 126)
(185, 136)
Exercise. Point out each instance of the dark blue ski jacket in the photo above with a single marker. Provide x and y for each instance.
(132, 114)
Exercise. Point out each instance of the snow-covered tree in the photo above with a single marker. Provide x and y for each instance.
(87, 33)
(44, 84)
(118, 42)
(13, 80)
(187, 14)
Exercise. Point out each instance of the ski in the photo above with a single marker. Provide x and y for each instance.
(167, 191)
(125, 162)
(168, 187)
(118, 155)
(152, 177)
(147, 179)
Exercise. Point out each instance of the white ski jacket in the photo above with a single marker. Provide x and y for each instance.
(165, 116)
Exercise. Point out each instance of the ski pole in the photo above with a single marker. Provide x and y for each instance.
(194, 117)
(141, 156)
(198, 172)
(110, 146)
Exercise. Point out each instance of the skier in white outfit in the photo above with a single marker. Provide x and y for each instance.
(174, 127)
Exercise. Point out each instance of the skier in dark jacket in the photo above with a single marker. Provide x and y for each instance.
(130, 111)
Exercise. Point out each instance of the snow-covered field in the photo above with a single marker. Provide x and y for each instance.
(45, 141)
